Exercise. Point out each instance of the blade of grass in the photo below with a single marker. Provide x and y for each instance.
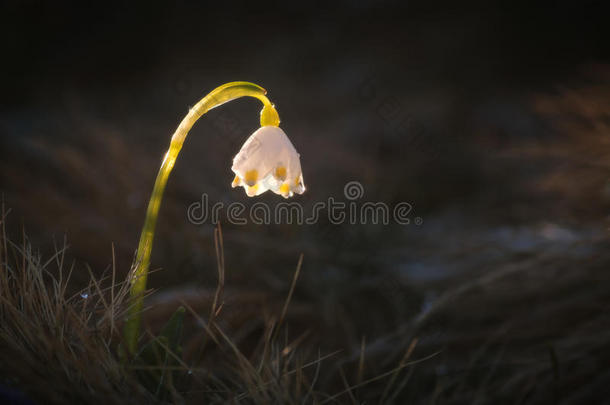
(379, 377)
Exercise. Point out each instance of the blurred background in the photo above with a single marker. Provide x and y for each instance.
(491, 120)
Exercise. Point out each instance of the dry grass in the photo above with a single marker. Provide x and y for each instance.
(532, 330)
(56, 343)
(59, 345)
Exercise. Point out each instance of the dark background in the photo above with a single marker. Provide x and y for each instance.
(491, 120)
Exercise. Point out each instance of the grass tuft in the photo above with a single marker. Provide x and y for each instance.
(59, 344)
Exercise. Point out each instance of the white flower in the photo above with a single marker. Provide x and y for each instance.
(268, 161)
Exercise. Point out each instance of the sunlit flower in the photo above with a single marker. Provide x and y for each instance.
(268, 161)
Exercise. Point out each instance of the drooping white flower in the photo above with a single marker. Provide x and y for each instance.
(268, 161)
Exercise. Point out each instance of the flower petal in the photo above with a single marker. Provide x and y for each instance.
(268, 161)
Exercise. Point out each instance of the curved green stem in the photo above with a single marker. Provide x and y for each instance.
(139, 271)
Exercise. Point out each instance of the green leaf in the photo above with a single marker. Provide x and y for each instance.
(156, 356)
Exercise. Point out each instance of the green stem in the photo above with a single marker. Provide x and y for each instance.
(139, 271)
